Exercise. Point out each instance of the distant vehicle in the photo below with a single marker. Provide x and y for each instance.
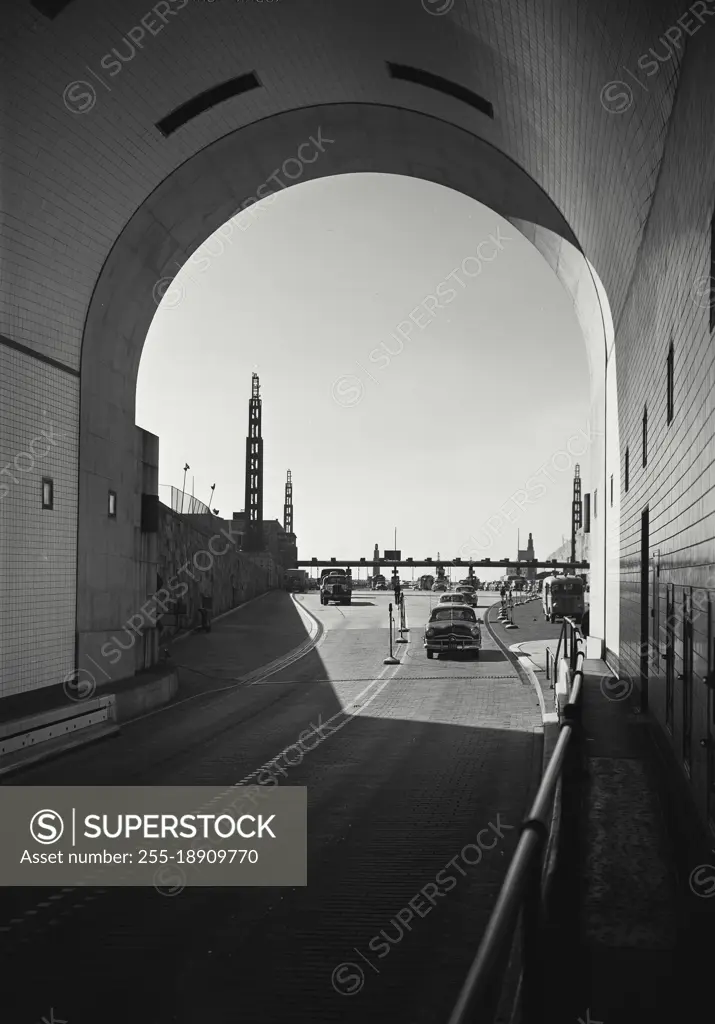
(563, 596)
(336, 585)
(440, 585)
(469, 593)
(455, 599)
(297, 580)
(452, 628)
(378, 582)
(424, 582)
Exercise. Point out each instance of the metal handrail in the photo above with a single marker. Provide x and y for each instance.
(521, 889)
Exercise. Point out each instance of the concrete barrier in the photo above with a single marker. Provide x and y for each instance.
(55, 731)
(137, 700)
(25, 741)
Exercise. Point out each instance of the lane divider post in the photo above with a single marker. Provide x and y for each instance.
(511, 624)
(402, 639)
(392, 660)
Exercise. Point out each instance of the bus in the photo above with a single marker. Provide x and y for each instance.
(297, 580)
(563, 596)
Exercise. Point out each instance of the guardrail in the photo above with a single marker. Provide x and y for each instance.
(526, 890)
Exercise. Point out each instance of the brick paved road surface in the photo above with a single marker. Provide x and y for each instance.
(435, 753)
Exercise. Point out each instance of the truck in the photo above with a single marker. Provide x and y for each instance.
(297, 580)
(378, 582)
(336, 585)
(424, 583)
(471, 581)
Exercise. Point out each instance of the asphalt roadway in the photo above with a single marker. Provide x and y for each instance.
(428, 755)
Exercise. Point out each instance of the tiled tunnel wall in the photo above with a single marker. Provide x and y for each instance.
(669, 303)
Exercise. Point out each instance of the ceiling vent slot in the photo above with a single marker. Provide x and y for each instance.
(206, 101)
(443, 85)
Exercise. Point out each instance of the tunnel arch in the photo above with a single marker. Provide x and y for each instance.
(78, 174)
(203, 195)
(615, 124)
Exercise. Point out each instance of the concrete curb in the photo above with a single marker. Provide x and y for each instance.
(526, 674)
(315, 626)
(509, 1007)
(550, 719)
(552, 731)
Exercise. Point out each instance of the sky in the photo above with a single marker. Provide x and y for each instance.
(407, 340)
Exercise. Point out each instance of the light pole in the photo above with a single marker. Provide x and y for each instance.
(183, 489)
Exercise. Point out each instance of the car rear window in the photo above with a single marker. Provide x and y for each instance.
(460, 614)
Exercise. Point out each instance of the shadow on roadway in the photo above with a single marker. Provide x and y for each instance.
(490, 656)
(391, 804)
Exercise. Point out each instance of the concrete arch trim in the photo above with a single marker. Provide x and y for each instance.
(592, 308)
(192, 203)
(546, 214)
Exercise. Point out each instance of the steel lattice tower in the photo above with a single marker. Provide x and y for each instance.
(288, 506)
(576, 508)
(253, 538)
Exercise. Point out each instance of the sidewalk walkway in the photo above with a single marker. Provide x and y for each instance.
(536, 653)
(243, 643)
(645, 948)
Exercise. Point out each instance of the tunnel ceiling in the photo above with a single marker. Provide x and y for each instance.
(507, 91)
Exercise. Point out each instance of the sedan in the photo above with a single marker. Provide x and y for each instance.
(469, 594)
(452, 628)
(460, 599)
(439, 586)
